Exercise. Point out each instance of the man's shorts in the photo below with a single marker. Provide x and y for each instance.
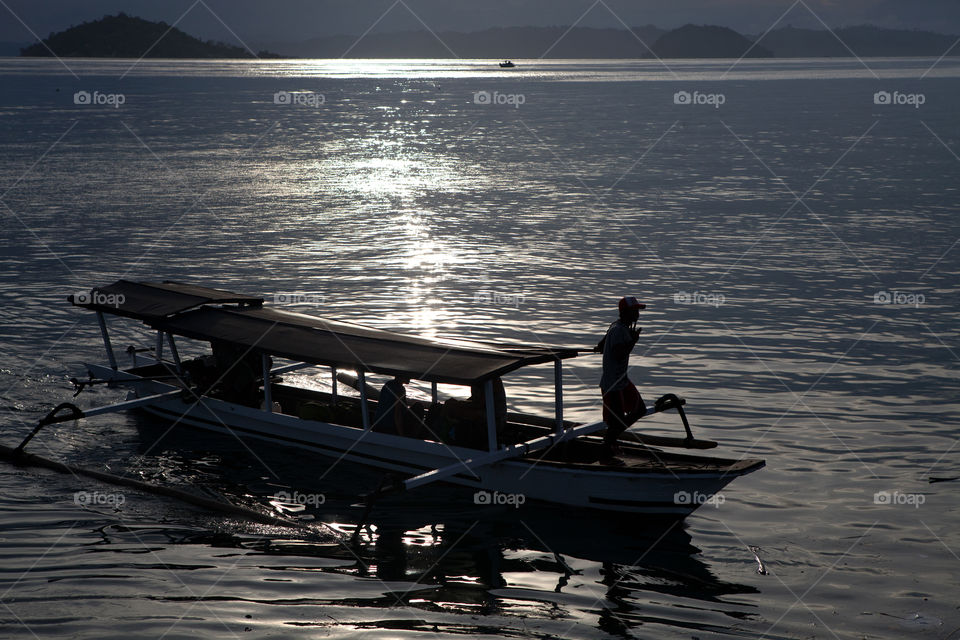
(621, 402)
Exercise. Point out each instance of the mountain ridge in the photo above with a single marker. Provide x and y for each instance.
(639, 42)
(131, 37)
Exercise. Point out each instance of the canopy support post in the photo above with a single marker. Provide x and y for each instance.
(173, 350)
(106, 340)
(159, 349)
(433, 393)
(491, 418)
(333, 384)
(361, 376)
(558, 393)
(267, 391)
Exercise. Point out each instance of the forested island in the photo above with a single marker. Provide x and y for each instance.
(123, 36)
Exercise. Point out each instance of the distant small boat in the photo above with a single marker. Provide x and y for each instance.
(506, 64)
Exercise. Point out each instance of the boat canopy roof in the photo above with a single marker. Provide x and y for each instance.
(149, 301)
(196, 312)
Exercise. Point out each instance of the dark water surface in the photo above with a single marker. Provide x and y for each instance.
(767, 236)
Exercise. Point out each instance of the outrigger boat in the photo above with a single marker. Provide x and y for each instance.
(543, 459)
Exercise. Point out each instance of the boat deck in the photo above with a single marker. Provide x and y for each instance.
(584, 452)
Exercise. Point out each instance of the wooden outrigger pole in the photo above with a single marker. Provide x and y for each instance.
(18, 456)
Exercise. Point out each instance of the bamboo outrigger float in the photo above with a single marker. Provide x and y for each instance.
(544, 459)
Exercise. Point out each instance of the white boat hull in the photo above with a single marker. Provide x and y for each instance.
(506, 482)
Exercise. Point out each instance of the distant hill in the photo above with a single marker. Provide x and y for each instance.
(130, 37)
(509, 42)
(864, 40)
(707, 41)
(123, 36)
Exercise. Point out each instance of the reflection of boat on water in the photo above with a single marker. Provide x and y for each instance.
(444, 516)
(538, 458)
(507, 64)
(543, 539)
(605, 573)
(441, 553)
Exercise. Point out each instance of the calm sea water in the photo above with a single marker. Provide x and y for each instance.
(792, 226)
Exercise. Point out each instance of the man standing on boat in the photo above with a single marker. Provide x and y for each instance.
(622, 404)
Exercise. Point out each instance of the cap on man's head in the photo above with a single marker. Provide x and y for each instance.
(629, 302)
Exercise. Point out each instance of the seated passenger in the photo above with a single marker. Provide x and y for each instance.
(499, 403)
(238, 373)
(468, 418)
(391, 408)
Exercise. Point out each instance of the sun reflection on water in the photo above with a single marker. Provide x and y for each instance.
(426, 263)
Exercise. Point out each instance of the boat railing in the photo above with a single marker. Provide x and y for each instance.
(267, 372)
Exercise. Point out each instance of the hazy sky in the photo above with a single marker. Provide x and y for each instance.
(293, 20)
